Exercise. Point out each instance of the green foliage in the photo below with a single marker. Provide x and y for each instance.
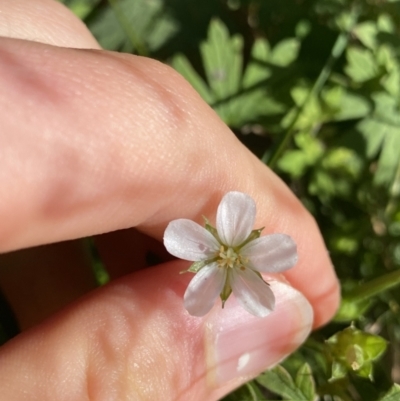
(236, 96)
(279, 381)
(313, 89)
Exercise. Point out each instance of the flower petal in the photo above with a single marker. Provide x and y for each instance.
(272, 253)
(235, 218)
(204, 289)
(252, 292)
(187, 240)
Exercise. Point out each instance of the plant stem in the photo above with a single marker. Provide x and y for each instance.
(127, 28)
(337, 50)
(374, 287)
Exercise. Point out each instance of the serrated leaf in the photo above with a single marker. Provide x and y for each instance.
(374, 135)
(285, 52)
(366, 32)
(132, 25)
(393, 394)
(381, 132)
(181, 64)
(351, 106)
(389, 158)
(237, 99)
(305, 382)
(280, 382)
(222, 58)
(361, 64)
(256, 71)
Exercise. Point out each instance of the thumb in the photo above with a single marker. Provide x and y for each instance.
(133, 340)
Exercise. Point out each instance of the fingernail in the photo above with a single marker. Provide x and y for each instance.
(242, 345)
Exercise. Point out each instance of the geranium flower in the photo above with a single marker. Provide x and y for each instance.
(230, 257)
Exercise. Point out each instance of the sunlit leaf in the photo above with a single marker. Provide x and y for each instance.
(132, 25)
(382, 133)
(280, 382)
(305, 382)
(237, 96)
(366, 32)
(361, 64)
(183, 66)
(295, 162)
(285, 52)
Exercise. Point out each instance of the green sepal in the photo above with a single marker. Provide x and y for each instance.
(252, 236)
(226, 292)
(261, 277)
(211, 229)
(196, 266)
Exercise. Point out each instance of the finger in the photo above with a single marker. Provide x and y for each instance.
(113, 141)
(45, 21)
(40, 281)
(126, 250)
(133, 340)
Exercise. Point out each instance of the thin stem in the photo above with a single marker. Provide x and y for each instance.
(99, 270)
(140, 47)
(337, 50)
(374, 287)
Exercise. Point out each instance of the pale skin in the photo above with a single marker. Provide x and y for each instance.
(93, 142)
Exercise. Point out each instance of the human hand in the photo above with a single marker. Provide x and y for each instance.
(93, 142)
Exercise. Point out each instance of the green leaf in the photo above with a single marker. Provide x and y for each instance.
(381, 132)
(366, 32)
(285, 52)
(389, 157)
(361, 64)
(132, 25)
(280, 382)
(350, 310)
(393, 394)
(248, 392)
(181, 64)
(339, 370)
(81, 8)
(222, 58)
(305, 382)
(237, 98)
(385, 23)
(351, 106)
(295, 162)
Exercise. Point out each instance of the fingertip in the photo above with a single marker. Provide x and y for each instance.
(45, 21)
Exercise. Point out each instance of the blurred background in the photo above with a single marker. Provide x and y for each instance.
(312, 87)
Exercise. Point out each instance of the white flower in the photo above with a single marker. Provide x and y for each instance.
(230, 257)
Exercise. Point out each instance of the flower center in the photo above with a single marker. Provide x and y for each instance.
(227, 257)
